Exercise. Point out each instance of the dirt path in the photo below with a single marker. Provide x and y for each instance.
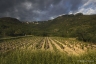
(78, 50)
(57, 46)
(67, 49)
(50, 45)
(42, 48)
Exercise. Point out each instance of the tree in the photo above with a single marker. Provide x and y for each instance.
(83, 33)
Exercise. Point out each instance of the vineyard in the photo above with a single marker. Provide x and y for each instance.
(46, 50)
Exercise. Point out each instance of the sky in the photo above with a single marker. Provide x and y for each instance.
(41, 10)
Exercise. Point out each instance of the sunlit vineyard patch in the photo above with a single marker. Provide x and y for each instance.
(46, 50)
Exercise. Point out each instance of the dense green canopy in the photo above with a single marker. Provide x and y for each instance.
(79, 26)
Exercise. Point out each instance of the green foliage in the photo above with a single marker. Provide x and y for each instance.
(79, 25)
(40, 57)
(26, 53)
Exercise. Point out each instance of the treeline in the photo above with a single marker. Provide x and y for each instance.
(10, 27)
(13, 27)
(79, 26)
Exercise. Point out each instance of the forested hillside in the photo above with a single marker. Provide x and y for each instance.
(80, 26)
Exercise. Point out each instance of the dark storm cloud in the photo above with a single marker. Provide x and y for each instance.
(38, 9)
(8, 4)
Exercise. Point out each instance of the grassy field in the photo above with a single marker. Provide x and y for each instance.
(46, 50)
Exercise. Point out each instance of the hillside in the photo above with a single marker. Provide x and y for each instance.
(79, 26)
(9, 25)
(9, 20)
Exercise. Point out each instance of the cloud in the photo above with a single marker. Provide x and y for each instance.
(89, 7)
(44, 9)
(27, 5)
